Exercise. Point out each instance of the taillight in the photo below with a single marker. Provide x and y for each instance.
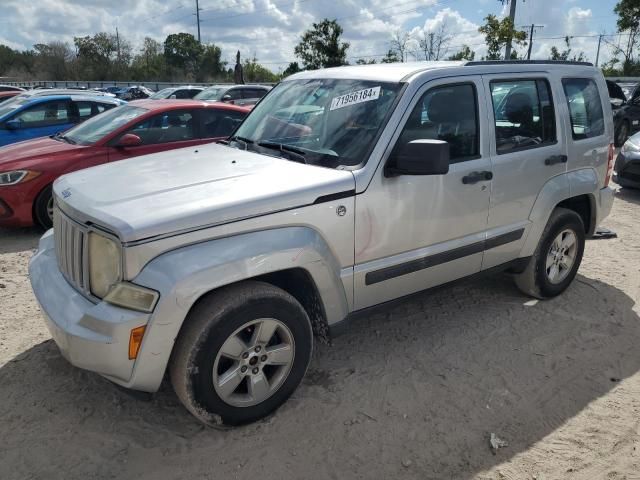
(609, 165)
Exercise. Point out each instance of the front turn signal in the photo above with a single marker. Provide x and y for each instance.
(135, 340)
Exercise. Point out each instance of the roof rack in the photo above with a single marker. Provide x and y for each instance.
(527, 62)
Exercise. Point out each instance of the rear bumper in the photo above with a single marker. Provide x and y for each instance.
(605, 202)
(91, 336)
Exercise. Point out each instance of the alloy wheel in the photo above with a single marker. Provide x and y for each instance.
(253, 362)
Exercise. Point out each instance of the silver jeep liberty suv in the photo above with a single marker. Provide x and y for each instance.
(343, 189)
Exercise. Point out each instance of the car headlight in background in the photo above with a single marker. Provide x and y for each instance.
(105, 277)
(629, 147)
(17, 176)
(104, 264)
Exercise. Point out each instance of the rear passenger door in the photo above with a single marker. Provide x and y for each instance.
(526, 152)
(218, 124)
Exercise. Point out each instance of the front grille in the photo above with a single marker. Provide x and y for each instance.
(71, 244)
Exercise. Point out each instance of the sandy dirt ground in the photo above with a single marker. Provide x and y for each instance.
(413, 391)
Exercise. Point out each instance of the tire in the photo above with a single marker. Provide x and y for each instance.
(622, 134)
(43, 208)
(537, 280)
(200, 368)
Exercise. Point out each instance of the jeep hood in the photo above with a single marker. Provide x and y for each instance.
(189, 188)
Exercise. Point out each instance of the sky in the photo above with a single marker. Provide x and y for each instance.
(270, 29)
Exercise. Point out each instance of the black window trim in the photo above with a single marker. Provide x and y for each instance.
(551, 100)
(468, 158)
(592, 80)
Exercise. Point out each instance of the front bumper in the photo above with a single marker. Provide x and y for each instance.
(92, 336)
(627, 170)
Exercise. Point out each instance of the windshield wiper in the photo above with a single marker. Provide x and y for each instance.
(64, 138)
(299, 153)
(246, 141)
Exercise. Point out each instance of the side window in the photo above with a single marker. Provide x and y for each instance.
(234, 94)
(253, 93)
(89, 109)
(523, 113)
(448, 113)
(585, 107)
(172, 126)
(44, 114)
(220, 123)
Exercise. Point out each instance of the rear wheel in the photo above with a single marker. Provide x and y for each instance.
(43, 208)
(556, 260)
(242, 352)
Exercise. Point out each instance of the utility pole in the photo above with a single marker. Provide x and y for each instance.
(512, 16)
(598, 52)
(118, 44)
(533, 27)
(198, 19)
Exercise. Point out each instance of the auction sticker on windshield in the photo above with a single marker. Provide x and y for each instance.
(355, 97)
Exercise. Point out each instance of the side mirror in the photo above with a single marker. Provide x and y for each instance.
(226, 98)
(129, 140)
(419, 157)
(13, 124)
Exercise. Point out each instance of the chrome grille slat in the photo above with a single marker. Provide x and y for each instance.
(70, 241)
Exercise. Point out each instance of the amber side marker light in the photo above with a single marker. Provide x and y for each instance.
(135, 340)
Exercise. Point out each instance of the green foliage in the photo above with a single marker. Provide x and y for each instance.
(210, 65)
(320, 46)
(464, 54)
(291, 69)
(556, 54)
(182, 52)
(391, 57)
(254, 72)
(497, 33)
(628, 12)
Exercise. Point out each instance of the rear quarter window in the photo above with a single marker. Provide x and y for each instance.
(585, 107)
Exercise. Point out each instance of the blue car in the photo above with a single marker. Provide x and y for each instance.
(41, 116)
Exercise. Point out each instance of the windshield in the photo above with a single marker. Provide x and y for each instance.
(9, 105)
(211, 93)
(326, 122)
(164, 93)
(96, 128)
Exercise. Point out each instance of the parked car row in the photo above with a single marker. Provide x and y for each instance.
(625, 103)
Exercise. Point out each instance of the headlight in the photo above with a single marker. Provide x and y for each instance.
(17, 176)
(629, 147)
(132, 296)
(104, 264)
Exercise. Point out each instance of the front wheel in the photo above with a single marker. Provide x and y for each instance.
(555, 262)
(242, 352)
(43, 208)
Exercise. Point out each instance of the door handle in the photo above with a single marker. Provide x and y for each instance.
(553, 159)
(475, 177)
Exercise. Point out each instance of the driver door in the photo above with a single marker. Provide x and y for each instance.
(414, 232)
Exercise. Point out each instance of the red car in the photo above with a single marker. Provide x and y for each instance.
(28, 169)
(8, 94)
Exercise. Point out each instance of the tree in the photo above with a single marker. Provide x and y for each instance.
(364, 61)
(464, 54)
(291, 69)
(628, 12)
(53, 60)
(555, 54)
(497, 34)
(150, 62)
(254, 72)
(399, 44)
(390, 57)
(320, 46)
(210, 65)
(97, 55)
(433, 44)
(182, 52)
